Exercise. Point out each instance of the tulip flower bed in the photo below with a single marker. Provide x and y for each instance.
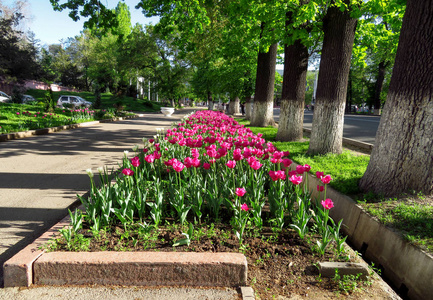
(210, 184)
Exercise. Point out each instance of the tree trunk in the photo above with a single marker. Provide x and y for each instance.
(248, 108)
(378, 87)
(263, 108)
(349, 95)
(209, 101)
(328, 118)
(234, 106)
(401, 159)
(290, 127)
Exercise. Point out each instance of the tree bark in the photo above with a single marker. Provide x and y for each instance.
(209, 101)
(290, 127)
(378, 87)
(234, 106)
(401, 159)
(263, 107)
(339, 32)
(248, 105)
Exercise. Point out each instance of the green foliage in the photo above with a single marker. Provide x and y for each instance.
(18, 54)
(346, 169)
(414, 220)
(348, 283)
(12, 118)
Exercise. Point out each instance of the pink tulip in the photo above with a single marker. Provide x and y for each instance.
(178, 166)
(195, 153)
(327, 204)
(244, 207)
(307, 168)
(135, 161)
(195, 162)
(206, 166)
(277, 175)
(211, 153)
(256, 165)
(188, 162)
(127, 172)
(300, 169)
(277, 155)
(157, 154)
(326, 179)
(320, 188)
(231, 164)
(319, 174)
(237, 154)
(286, 162)
(292, 173)
(295, 179)
(149, 158)
(240, 192)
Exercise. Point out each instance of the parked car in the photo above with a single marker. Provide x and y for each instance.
(27, 98)
(5, 97)
(74, 100)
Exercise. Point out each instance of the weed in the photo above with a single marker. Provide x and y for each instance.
(347, 283)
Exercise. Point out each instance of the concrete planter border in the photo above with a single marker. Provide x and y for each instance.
(409, 268)
(34, 266)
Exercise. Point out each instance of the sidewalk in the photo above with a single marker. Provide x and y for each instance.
(40, 177)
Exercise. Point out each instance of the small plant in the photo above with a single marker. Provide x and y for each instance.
(188, 235)
(347, 283)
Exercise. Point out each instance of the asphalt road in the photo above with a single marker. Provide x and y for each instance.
(358, 127)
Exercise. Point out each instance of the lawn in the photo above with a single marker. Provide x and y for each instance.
(346, 169)
(108, 100)
(411, 213)
(21, 117)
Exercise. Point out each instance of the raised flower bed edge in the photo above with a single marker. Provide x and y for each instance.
(409, 268)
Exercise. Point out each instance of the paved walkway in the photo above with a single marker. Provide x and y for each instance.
(40, 176)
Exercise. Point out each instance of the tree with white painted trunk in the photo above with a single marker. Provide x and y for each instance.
(290, 127)
(339, 32)
(263, 106)
(402, 158)
(234, 106)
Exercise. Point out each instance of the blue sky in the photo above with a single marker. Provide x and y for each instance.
(51, 26)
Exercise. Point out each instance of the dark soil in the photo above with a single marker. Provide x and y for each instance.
(280, 266)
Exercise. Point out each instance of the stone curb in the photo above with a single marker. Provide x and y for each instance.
(141, 269)
(346, 141)
(409, 268)
(328, 268)
(33, 266)
(24, 134)
(247, 293)
(18, 270)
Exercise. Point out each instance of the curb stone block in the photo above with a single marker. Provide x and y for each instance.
(327, 269)
(247, 293)
(408, 267)
(18, 270)
(141, 269)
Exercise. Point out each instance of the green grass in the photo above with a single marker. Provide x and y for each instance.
(413, 220)
(107, 100)
(22, 117)
(411, 215)
(346, 169)
(12, 118)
